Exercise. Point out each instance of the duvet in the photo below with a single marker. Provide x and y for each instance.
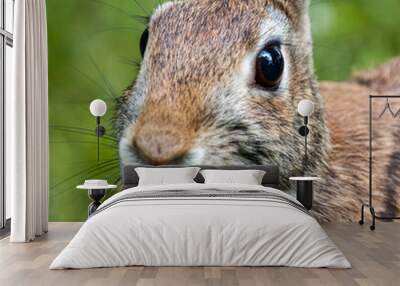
(201, 225)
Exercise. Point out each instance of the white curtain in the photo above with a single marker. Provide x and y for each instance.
(27, 124)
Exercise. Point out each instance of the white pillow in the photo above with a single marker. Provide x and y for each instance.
(247, 177)
(166, 176)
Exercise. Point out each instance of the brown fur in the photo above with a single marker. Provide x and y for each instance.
(347, 107)
(195, 101)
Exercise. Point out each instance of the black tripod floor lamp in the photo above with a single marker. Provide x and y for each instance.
(98, 108)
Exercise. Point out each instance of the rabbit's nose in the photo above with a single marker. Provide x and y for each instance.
(160, 145)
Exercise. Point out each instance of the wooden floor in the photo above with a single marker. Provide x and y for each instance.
(375, 257)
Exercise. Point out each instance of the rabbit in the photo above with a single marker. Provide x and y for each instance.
(219, 84)
(347, 175)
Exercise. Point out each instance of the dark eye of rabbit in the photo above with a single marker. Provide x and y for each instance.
(143, 41)
(269, 67)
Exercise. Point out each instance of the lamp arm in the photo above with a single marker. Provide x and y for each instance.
(100, 132)
(98, 137)
(304, 131)
(305, 155)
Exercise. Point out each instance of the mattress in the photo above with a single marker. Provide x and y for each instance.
(201, 225)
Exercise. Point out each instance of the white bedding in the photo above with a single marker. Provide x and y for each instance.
(200, 231)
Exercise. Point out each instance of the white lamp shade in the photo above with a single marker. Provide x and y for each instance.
(98, 107)
(305, 107)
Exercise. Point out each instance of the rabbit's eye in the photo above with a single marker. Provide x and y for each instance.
(269, 67)
(143, 41)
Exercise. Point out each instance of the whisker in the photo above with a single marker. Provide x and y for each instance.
(292, 43)
(81, 162)
(118, 181)
(71, 127)
(107, 83)
(101, 171)
(104, 169)
(141, 7)
(86, 171)
(115, 177)
(73, 131)
(112, 29)
(123, 115)
(138, 18)
(83, 132)
(136, 64)
(92, 80)
(84, 142)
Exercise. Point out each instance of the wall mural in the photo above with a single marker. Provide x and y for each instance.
(218, 82)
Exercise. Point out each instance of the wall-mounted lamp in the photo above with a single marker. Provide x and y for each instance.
(305, 108)
(98, 108)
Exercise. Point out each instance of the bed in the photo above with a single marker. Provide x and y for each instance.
(199, 224)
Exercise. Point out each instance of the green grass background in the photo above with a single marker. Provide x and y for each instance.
(91, 48)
